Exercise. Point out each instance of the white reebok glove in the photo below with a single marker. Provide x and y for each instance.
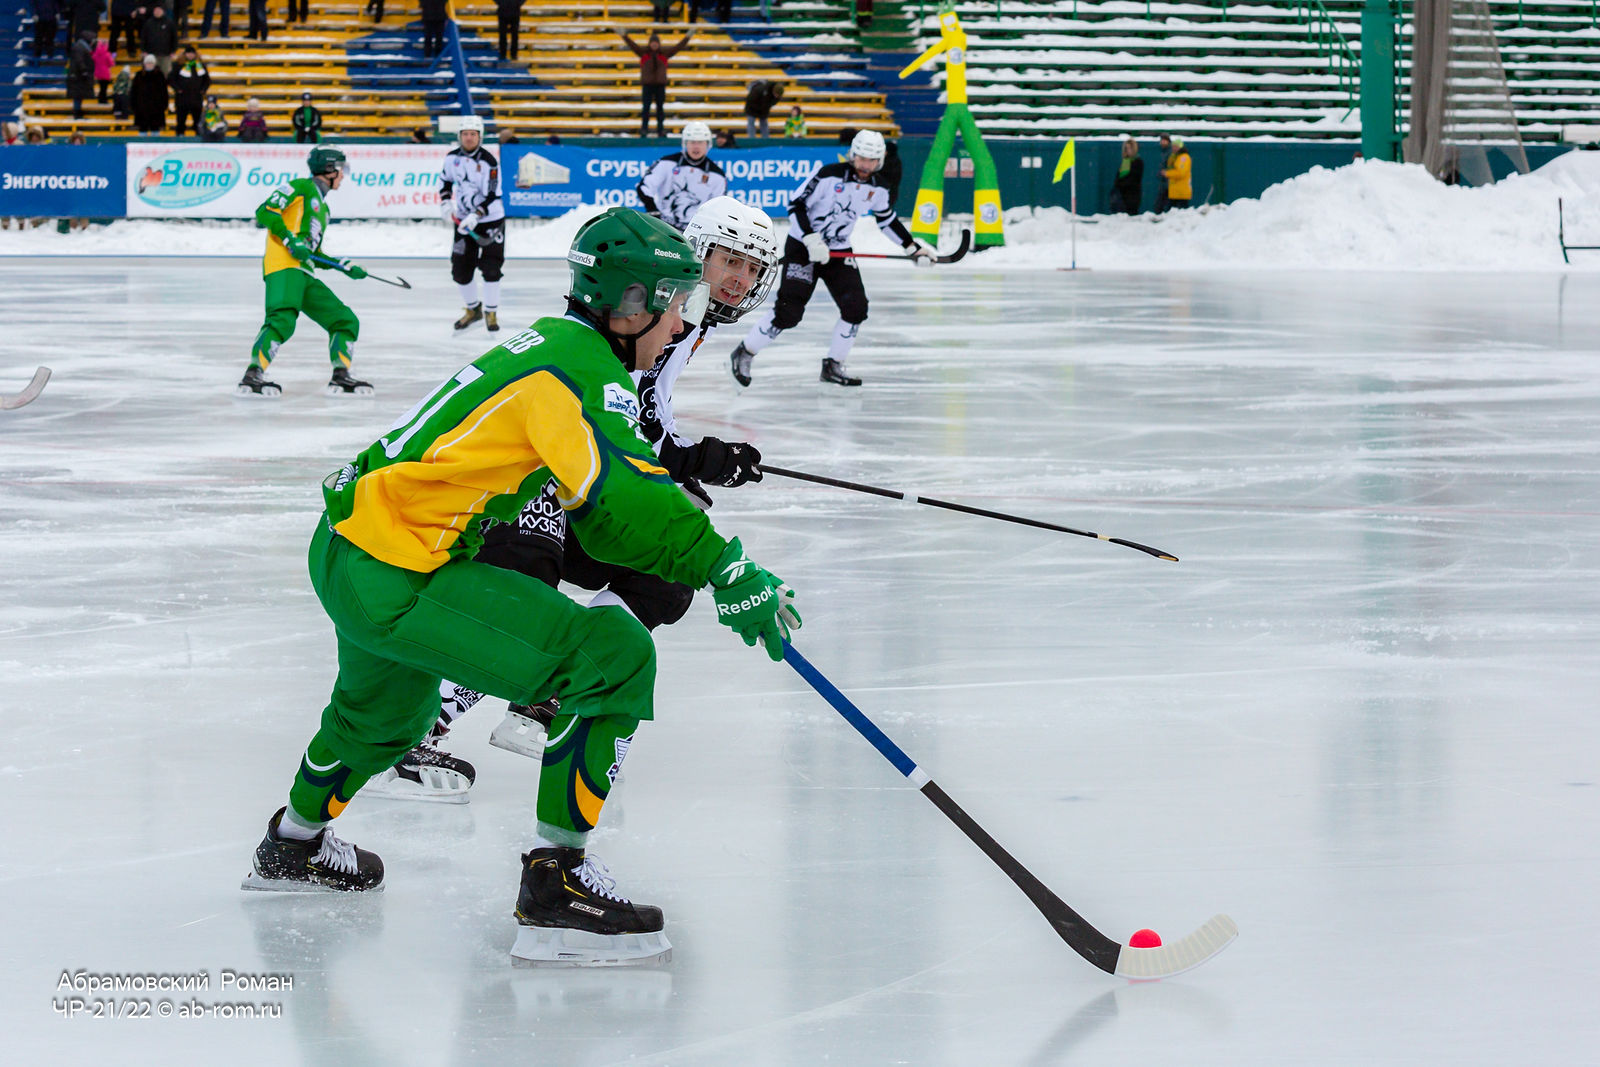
(816, 247)
(447, 210)
(469, 222)
(921, 251)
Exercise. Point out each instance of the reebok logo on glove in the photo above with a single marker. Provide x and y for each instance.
(746, 604)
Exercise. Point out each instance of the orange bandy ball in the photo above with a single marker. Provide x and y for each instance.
(1144, 939)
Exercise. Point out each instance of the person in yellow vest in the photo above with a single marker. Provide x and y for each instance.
(1175, 168)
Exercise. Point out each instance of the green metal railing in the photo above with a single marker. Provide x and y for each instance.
(1331, 43)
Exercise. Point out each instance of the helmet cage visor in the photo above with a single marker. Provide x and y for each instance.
(740, 255)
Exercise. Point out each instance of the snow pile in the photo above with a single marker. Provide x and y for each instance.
(1369, 215)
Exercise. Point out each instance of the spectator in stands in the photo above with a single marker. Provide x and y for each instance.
(725, 10)
(46, 23)
(159, 37)
(191, 82)
(258, 20)
(1176, 168)
(122, 94)
(725, 139)
(102, 68)
(10, 133)
(125, 24)
(434, 14)
(307, 122)
(653, 77)
(149, 97)
(253, 123)
(1127, 191)
(37, 135)
(213, 125)
(422, 135)
(211, 8)
(759, 100)
(661, 10)
(508, 14)
(299, 11)
(552, 139)
(795, 124)
(86, 16)
(80, 72)
(375, 9)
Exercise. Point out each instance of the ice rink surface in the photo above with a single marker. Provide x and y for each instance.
(1353, 716)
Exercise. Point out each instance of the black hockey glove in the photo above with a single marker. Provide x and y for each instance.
(728, 464)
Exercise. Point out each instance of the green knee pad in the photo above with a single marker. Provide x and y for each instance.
(323, 785)
(581, 759)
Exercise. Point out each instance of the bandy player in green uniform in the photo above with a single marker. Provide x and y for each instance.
(296, 220)
(392, 562)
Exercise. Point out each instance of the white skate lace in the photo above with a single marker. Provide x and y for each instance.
(336, 854)
(596, 878)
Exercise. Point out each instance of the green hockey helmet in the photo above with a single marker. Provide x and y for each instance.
(324, 159)
(624, 262)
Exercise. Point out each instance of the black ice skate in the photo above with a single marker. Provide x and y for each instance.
(491, 321)
(524, 728)
(741, 359)
(474, 313)
(341, 384)
(833, 371)
(254, 383)
(324, 864)
(427, 772)
(569, 912)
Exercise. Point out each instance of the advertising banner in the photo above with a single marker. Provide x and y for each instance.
(61, 181)
(553, 179)
(229, 181)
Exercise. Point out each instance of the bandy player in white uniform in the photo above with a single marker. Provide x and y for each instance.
(679, 182)
(739, 247)
(821, 220)
(469, 199)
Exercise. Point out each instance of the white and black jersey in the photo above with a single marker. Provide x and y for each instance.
(675, 186)
(832, 201)
(472, 180)
(656, 420)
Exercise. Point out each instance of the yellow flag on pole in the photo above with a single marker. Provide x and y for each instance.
(1068, 160)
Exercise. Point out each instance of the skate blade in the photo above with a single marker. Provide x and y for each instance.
(519, 734)
(334, 390)
(257, 884)
(552, 946)
(439, 785)
(250, 394)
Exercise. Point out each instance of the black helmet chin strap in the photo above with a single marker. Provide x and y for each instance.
(625, 346)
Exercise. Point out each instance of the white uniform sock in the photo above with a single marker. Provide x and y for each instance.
(491, 296)
(606, 598)
(469, 292)
(761, 334)
(294, 828)
(844, 338)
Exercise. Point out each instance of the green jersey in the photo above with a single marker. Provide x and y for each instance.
(551, 401)
(296, 208)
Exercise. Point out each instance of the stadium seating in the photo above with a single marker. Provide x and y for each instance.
(574, 75)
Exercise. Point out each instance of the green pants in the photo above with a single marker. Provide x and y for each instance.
(491, 629)
(291, 293)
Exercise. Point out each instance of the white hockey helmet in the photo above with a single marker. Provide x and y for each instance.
(696, 131)
(742, 231)
(470, 122)
(868, 144)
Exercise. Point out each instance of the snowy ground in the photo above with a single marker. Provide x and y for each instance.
(1358, 716)
(1367, 216)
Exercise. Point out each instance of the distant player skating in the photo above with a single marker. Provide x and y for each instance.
(296, 220)
(679, 182)
(392, 563)
(821, 221)
(739, 248)
(469, 199)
